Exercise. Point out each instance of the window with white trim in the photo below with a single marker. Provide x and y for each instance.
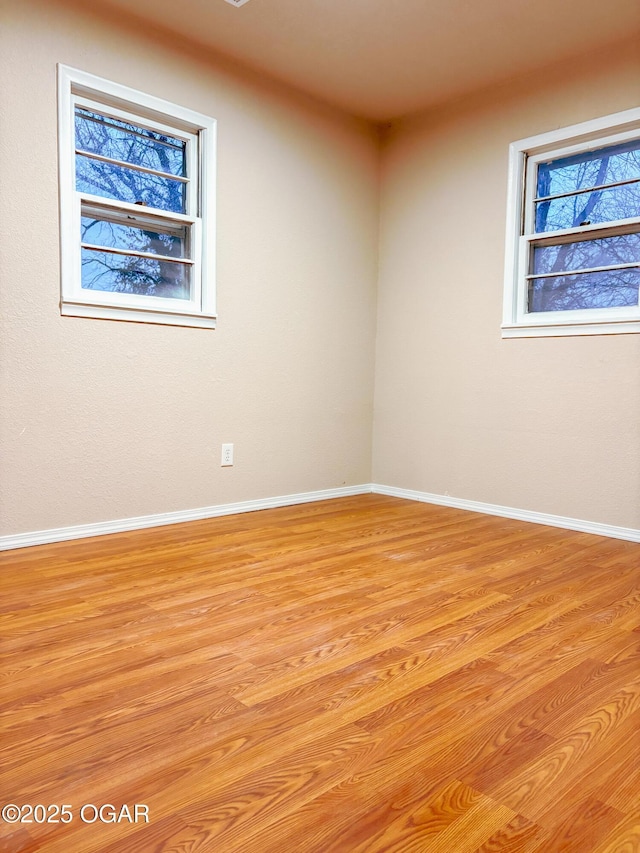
(136, 205)
(573, 231)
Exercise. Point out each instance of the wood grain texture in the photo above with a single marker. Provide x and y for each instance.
(356, 676)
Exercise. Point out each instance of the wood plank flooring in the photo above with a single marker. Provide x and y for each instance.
(352, 676)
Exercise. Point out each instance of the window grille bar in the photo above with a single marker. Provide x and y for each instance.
(132, 252)
(105, 121)
(126, 165)
(597, 188)
(629, 266)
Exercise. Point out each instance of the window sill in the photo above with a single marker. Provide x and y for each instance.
(557, 330)
(133, 315)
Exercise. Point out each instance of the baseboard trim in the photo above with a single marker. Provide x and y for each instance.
(102, 528)
(630, 534)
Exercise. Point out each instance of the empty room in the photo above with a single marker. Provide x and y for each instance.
(320, 426)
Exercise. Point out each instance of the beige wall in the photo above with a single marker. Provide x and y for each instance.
(103, 420)
(550, 425)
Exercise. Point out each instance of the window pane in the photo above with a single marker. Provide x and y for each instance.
(610, 289)
(590, 169)
(129, 274)
(600, 206)
(122, 141)
(606, 251)
(102, 232)
(117, 182)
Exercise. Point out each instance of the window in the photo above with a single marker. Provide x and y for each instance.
(136, 205)
(573, 230)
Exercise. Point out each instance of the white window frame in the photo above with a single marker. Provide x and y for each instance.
(524, 155)
(77, 87)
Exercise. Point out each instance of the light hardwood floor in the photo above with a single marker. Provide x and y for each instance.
(355, 676)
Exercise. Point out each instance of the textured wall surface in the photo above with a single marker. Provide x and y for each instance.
(103, 420)
(550, 424)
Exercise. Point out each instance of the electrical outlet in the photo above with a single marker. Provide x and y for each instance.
(227, 455)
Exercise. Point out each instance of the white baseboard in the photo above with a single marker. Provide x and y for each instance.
(610, 530)
(82, 531)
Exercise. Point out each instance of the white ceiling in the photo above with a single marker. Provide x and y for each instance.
(381, 59)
